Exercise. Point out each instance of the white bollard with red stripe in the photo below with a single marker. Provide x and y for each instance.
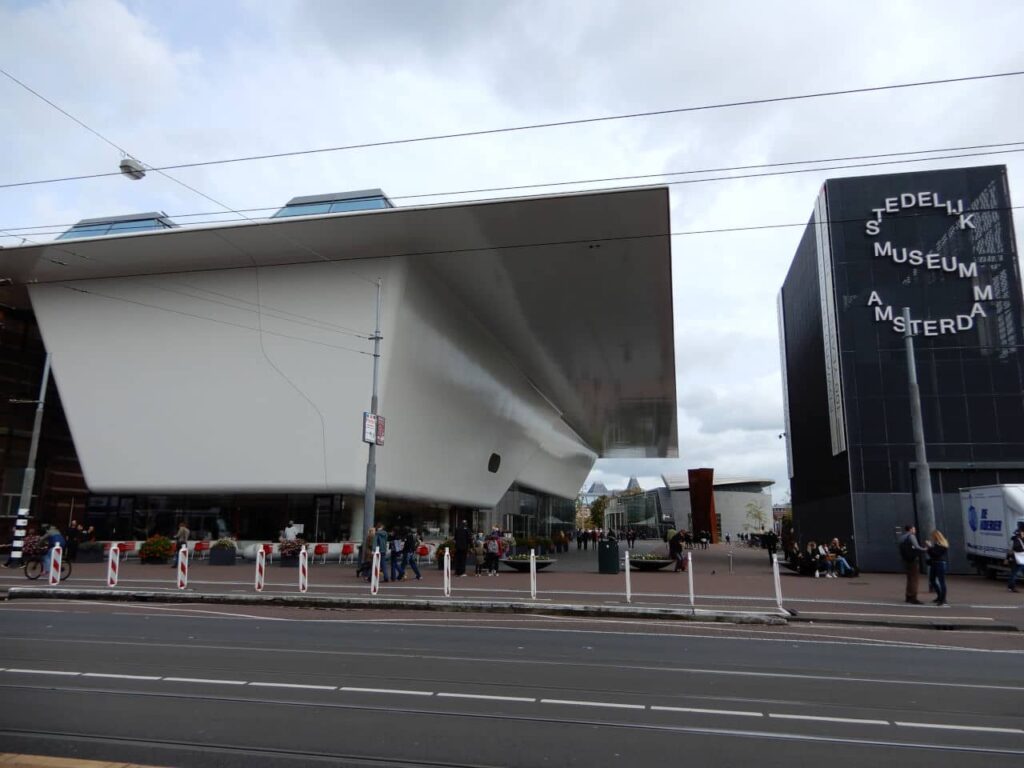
(447, 572)
(56, 555)
(375, 571)
(261, 568)
(183, 567)
(629, 587)
(303, 569)
(689, 578)
(113, 560)
(533, 575)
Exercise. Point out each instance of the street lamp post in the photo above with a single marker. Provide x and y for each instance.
(370, 497)
(28, 480)
(925, 502)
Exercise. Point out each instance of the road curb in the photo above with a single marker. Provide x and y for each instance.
(925, 623)
(386, 603)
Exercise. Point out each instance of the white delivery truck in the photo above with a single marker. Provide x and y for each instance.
(991, 513)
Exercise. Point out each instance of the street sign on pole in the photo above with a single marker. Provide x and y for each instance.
(380, 430)
(369, 427)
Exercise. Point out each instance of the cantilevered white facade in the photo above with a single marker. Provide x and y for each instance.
(234, 358)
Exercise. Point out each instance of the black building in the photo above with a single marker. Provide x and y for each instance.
(942, 244)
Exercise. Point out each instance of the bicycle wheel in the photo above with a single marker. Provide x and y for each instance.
(65, 569)
(33, 569)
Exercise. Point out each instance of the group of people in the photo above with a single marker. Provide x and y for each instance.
(398, 553)
(830, 561)
(936, 550)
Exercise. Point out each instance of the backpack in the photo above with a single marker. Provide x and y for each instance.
(491, 546)
(907, 551)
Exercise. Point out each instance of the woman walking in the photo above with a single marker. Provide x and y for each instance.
(938, 553)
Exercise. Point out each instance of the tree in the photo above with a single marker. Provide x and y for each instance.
(756, 516)
(597, 510)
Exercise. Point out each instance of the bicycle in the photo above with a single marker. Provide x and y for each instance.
(34, 568)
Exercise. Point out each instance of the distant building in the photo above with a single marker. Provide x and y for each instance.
(743, 504)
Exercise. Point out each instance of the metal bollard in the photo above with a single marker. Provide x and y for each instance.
(261, 568)
(113, 561)
(730, 561)
(447, 572)
(183, 567)
(629, 590)
(689, 573)
(778, 583)
(533, 575)
(55, 563)
(375, 571)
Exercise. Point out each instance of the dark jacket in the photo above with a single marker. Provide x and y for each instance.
(463, 538)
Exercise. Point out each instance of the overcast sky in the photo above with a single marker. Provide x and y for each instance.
(185, 81)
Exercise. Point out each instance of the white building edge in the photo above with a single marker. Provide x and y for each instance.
(234, 358)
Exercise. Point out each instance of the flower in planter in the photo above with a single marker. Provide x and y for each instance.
(156, 548)
(34, 546)
(649, 556)
(526, 557)
(291, 547)
(224, 544)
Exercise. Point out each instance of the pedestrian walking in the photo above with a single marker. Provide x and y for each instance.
(366, 554)
(410, 549)
(74, 537)
(675, 551)
(1016, 557)
(910, 553)
(180, 540)
(938, 554)
(380, 542)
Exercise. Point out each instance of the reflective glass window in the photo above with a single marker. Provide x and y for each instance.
(306, 209)
(362, 204)
(93, 231)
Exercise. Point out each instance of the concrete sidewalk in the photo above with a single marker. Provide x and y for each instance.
(744, 589)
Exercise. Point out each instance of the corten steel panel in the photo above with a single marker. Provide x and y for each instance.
(702, 501)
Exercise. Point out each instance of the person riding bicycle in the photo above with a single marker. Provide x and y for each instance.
(53, 537)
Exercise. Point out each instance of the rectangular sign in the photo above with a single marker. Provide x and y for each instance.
(369, 427)
(380, 430)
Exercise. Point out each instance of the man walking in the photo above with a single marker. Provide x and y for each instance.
(1017, 557)
(910, 554)
(380, 543)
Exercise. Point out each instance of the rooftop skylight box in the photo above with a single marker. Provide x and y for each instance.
(118, 225)
(338, 202)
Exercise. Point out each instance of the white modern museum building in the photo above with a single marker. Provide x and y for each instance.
(220, 372)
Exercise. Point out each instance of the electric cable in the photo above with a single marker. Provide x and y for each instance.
(623, 178)
(520, 128)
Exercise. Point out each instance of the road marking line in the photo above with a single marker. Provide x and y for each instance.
(820, 718)
(296, 685)
(593, 704)
(927, 614)
(945, 727)
(484, 696)
(386, 690)
(43, 672)
(121, 677)
(211, 681)
(740, 713)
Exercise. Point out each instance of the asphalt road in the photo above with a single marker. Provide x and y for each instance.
(282, 688)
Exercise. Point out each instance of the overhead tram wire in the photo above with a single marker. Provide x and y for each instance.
(512, 129)
(537, 185)
(594, 240)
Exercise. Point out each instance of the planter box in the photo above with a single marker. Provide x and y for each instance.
(291, 562)
(649, 565)
(523, 566)
(154, 560)
(224, 556)
(90, 556)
